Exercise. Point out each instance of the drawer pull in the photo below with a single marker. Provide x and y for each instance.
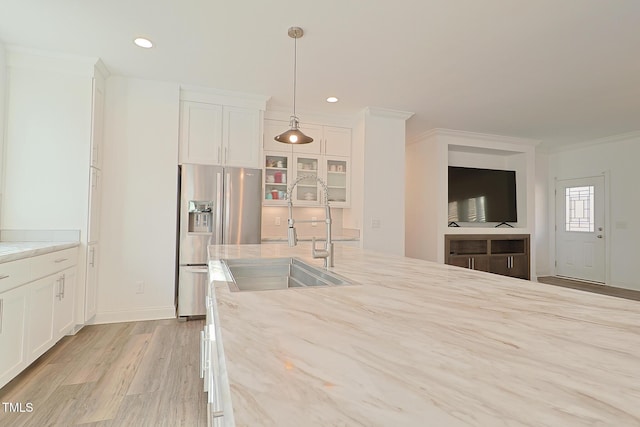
(4, 276)
(59, 260)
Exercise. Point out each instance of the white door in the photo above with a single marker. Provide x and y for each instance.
(580, 233)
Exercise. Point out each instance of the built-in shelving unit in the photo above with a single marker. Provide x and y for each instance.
(505, 254)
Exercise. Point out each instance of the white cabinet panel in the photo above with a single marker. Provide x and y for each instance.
(95, 196)
(200, 133)
(97, 124)
(13, 274)
(271, 129)
(40, 323)
(63, 304)
(91, 289)
(315, 132)
(337, 141)
(13, 306)
(241, 142)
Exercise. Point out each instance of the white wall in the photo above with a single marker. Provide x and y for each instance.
(383, 195)
(138, 216)
(3, 85)
(617, 157)
(426, 163)
(47, 150)
(542, 224)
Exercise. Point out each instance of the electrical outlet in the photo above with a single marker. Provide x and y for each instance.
(375, 223)
(313, 221)
(277, 220)
(140, 287)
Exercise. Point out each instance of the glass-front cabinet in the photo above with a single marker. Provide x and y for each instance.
(337, 177)
(308, 191)
(276, 177)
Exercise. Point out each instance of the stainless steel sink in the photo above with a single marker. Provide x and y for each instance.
(261, 274)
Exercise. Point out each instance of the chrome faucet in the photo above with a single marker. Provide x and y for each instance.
(327, 252)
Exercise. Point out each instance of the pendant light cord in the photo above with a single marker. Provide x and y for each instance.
(295, 63)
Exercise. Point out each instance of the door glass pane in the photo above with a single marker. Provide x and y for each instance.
(579, 209)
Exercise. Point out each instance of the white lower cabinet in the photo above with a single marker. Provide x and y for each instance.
(64, 303)
(37, 310)
(40, 323)
(13, 317)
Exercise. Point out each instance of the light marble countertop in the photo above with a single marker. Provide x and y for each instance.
(308, 239)
(423, 344)
(11, 251)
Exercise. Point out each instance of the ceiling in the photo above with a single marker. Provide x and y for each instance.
(561, 72)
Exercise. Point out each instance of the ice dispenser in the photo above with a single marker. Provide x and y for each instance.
(200, 216)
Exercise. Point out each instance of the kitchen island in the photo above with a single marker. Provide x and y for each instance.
(416, 343)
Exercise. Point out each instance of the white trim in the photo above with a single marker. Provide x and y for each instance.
(224, 97)
(132, 315)
(386, 112)
(309, 116)
(19, 57)
(474, 135)
(600, 141)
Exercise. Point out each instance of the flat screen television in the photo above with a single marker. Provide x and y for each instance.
(482, 195)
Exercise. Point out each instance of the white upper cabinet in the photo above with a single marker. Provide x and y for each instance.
(220, 128)
(200, 133)
(327, 140)
(271, 129)
(241, 137)
(337, 141)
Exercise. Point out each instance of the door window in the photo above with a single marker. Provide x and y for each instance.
(579, 209)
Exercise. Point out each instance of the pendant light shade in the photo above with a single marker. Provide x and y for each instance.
(294, 135)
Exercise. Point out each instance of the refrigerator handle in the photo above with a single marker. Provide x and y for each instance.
(219, 201)
(227, 203)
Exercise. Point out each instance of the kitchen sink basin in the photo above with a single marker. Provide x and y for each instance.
(261, 274)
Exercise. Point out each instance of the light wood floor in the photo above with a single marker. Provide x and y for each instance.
(590, 287)
(123, 374)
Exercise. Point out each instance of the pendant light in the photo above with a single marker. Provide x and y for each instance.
(294, 135)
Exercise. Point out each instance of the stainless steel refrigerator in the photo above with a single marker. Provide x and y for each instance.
(218, 205)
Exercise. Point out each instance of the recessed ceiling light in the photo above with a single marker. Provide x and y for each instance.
(332, 99)
(142, 42)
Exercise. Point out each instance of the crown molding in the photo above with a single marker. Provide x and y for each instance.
(28, 58)
(220, 96)
(592, 143)
(482, 136)
(310, 116)
(388, 113)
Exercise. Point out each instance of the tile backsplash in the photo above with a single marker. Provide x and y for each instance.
(270, 214)
(40, 235)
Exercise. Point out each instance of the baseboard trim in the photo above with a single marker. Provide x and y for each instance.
(134, 315)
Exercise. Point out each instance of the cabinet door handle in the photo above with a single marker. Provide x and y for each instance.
(93, 256)
(201, 354)
(469, 263)
(4, 276)
(59, 260)
(58, 288)
(64, 282)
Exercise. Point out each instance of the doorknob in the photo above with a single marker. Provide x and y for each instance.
(599, 236)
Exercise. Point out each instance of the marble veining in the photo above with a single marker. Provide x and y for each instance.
(11, 251)
(425, 344)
